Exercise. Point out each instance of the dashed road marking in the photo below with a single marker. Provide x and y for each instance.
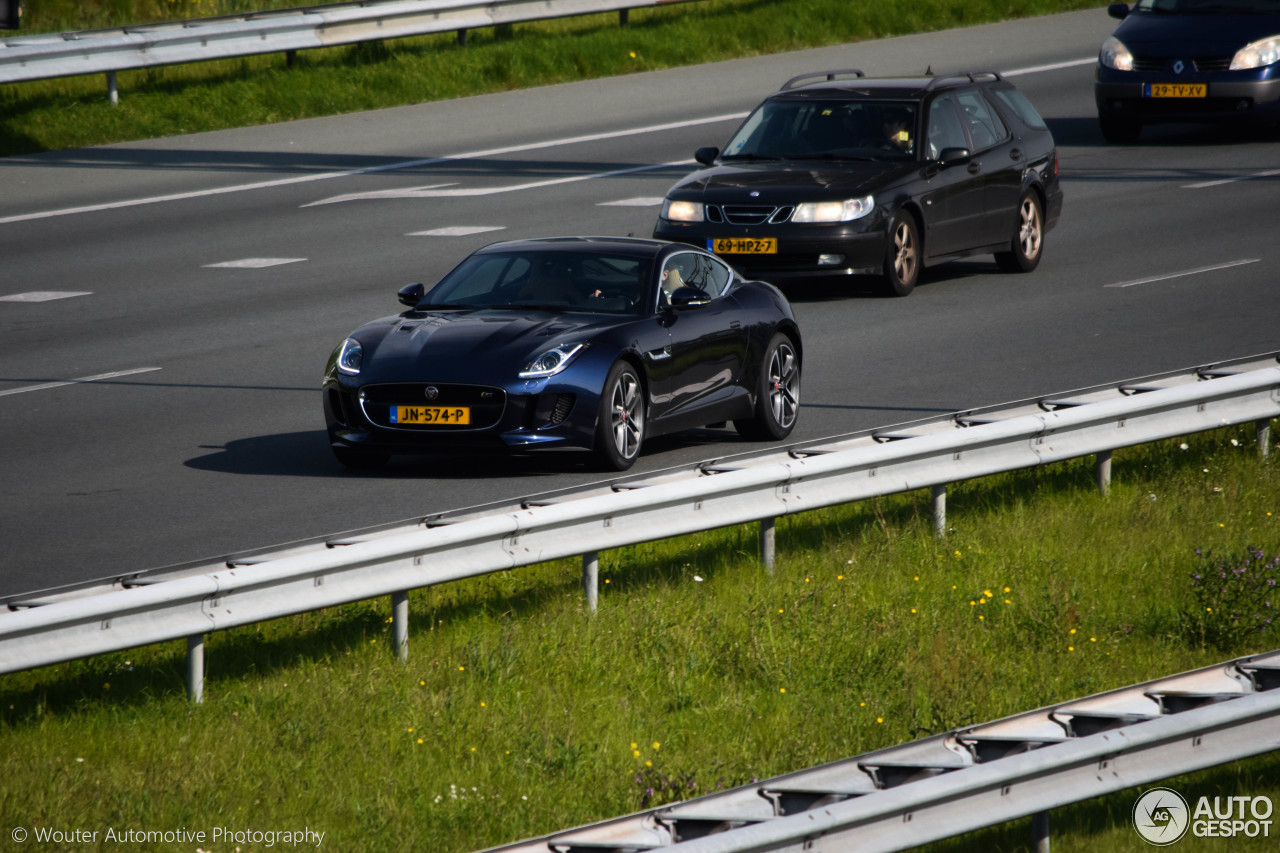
(643, 201)
(82, 380)
(1196, 271)
(456, 231)
(254, 263)
(1218, 183)
(43, 295)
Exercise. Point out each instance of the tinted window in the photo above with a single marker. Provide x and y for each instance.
(1016, 101)
(985, 127)
(830, 129)
(578, 281)
(1201, 7)
(690, 269)
(945, 130)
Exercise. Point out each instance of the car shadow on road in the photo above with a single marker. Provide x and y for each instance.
(1083, 132)
(306, 454)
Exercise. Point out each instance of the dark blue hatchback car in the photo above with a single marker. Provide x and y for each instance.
(1188, 61)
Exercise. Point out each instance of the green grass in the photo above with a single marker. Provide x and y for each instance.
(520, 714)
(70, 112)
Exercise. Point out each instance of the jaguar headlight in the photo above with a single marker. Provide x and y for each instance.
(682, 211)
(1115, 55)
(834, 211)
(350, 357)
(1256, 55)
(552, 361)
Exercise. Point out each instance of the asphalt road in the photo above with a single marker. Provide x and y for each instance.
(213, 274)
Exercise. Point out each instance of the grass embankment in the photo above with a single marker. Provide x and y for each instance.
(71, 112)
(519, 714)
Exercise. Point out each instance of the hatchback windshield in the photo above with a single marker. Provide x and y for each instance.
(787, 129)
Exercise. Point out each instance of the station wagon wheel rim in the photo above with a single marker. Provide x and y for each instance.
(1029, 235)
(626, 408)
(904, 253)
(784, 385)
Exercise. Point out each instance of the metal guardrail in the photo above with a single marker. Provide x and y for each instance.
(67, 54)
(150, 608)
(939, 787)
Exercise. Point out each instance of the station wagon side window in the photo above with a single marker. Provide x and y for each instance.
(985, 127)
(945, 130)
(1021, 107)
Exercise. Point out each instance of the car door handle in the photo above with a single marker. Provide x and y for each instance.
(975, 168)
(1015, 154)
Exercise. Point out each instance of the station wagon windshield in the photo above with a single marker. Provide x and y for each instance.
(787, 129)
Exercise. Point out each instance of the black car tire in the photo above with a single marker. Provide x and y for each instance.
(361, 459)
(621, 418)
(902, 256)
(777, 394)
(1027, 244)
(1119, 131)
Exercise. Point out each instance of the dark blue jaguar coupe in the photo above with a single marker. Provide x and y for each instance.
(569, 342)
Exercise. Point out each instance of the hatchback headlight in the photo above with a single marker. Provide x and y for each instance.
(350, 357)
(1256, 55)
(552, 361)
(1115, 55)
(834, 211)
(682, 211)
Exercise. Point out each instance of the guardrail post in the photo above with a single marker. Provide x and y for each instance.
(400, 624)
(290, 58)
(113, 92)
(591, 578)
(1102, 472)
(1040, 832)
(195, 669)
(462, 38)
(768, 543)
(622, 17)
(1264, 437)
(938, 495)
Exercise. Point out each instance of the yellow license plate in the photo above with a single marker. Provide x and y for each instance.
(744, 246)
(417, 415)
(1176, 90)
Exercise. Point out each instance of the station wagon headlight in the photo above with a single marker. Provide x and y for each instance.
(1256, 55)
(350, 357)
(1115, 55)
(552, 361)
(834, 211)
(682, 211)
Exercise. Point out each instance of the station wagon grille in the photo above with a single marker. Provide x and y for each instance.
(749, 214)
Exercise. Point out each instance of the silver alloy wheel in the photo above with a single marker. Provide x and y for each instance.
(784, 385)
(626, 408)
(904, 250)
(1029, 235)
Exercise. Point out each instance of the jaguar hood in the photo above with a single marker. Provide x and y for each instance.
(479, 345)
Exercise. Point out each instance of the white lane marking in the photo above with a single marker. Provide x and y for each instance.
(82, 380)
(645, 201)
(403, 192)
(389, 167)
(43, 295)
(429, 192)
(1219, 183)
(1195, 271)
(457, 231)
(1057, 66)
(254, 263)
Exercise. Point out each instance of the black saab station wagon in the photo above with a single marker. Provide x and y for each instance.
(841, 174)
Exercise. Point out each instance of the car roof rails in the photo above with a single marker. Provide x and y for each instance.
(972, 77)
(821, 75)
